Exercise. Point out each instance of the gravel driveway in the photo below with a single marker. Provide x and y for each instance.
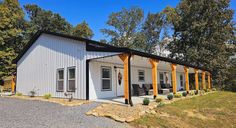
(16, 113)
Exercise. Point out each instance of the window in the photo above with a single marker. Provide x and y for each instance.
(161, 76)
(106, 78)
(141, 76)
(181, 80)
(60, 80)
(71, 79)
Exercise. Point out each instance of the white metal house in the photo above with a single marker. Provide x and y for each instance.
(57, 63)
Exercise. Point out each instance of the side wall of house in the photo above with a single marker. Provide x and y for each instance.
(36, 70)
(95, 81)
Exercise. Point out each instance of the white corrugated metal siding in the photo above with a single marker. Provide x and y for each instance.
(37, 68)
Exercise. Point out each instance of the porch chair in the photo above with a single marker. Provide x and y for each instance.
(137, 91)
(147, 88)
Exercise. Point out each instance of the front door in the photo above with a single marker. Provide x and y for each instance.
(120, 82)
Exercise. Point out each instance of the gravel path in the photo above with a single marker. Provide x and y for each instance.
(16, 113)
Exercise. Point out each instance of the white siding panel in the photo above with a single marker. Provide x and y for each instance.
(37, 68)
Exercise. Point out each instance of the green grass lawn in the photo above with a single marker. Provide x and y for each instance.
(215, 110)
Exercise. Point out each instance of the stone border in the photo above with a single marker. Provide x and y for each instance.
(98, 111)
(60, 101)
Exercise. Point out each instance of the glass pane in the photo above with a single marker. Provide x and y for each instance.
(141, 78)
(106, 84)
(71, 85)
(161, 76)
(105, 73)
(60, 74)
(141, 73)
(72, 73)
(60, 85)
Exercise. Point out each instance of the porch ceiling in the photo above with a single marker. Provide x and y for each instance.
(140, 61)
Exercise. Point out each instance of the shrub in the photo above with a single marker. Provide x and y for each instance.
(202, 92)
(146, 101)
(32, 93)
(184, 94)
(213, 89)
(208, 90)
(18, 94)
(170, 96)
(159, 99)
(196, 92)
(205, 90)
(161, 104)
(192, 93)
(47, 96)
(177, 95)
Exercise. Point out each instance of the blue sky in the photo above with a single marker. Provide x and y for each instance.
(96, 12)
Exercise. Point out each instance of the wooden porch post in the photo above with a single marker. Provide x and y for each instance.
(173, 67)
(186, 78)
(154, 64)
(13, 84)
(125, 58)
(209, 80)
(203, 80)
(196, 79)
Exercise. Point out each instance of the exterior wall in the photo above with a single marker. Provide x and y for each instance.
(36, 70)
(95, 91)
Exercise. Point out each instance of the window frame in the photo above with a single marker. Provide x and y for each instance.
(68, 78)
(110, 75)
(141, 75)
(57, 79)
(160, 77)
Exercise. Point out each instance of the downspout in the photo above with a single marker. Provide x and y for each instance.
(129, 76)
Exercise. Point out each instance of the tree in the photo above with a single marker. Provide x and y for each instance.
(11, 29)
(83, 30)
(125, 24)
(202, 30)
(151, 31)
(41, 19)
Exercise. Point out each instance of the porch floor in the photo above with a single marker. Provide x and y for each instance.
(135, 99)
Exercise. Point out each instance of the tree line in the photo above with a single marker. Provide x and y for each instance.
(201, 33)
(16, 30)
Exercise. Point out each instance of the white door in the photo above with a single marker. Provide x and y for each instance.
(120, 82)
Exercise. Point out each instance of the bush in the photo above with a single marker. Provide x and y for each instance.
(161, 104)
(202, 92)
(208, 90)
(205, 90)
(146, 101)
(47, 96)
(177, 95)
(170, 96)
(192, 92)
(184, 94)
(159, 99)
(196, 92)
(213, 89)
(18, 94)
(32, 93)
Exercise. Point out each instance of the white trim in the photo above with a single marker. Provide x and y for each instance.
(110, 78)
(68, 78)
(58, 79)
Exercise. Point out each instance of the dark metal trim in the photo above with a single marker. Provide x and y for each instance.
(87, 79)
(92, 45)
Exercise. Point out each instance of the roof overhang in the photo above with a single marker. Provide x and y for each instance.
(92, 45)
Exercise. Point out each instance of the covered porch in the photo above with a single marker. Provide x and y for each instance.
(129, 78)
